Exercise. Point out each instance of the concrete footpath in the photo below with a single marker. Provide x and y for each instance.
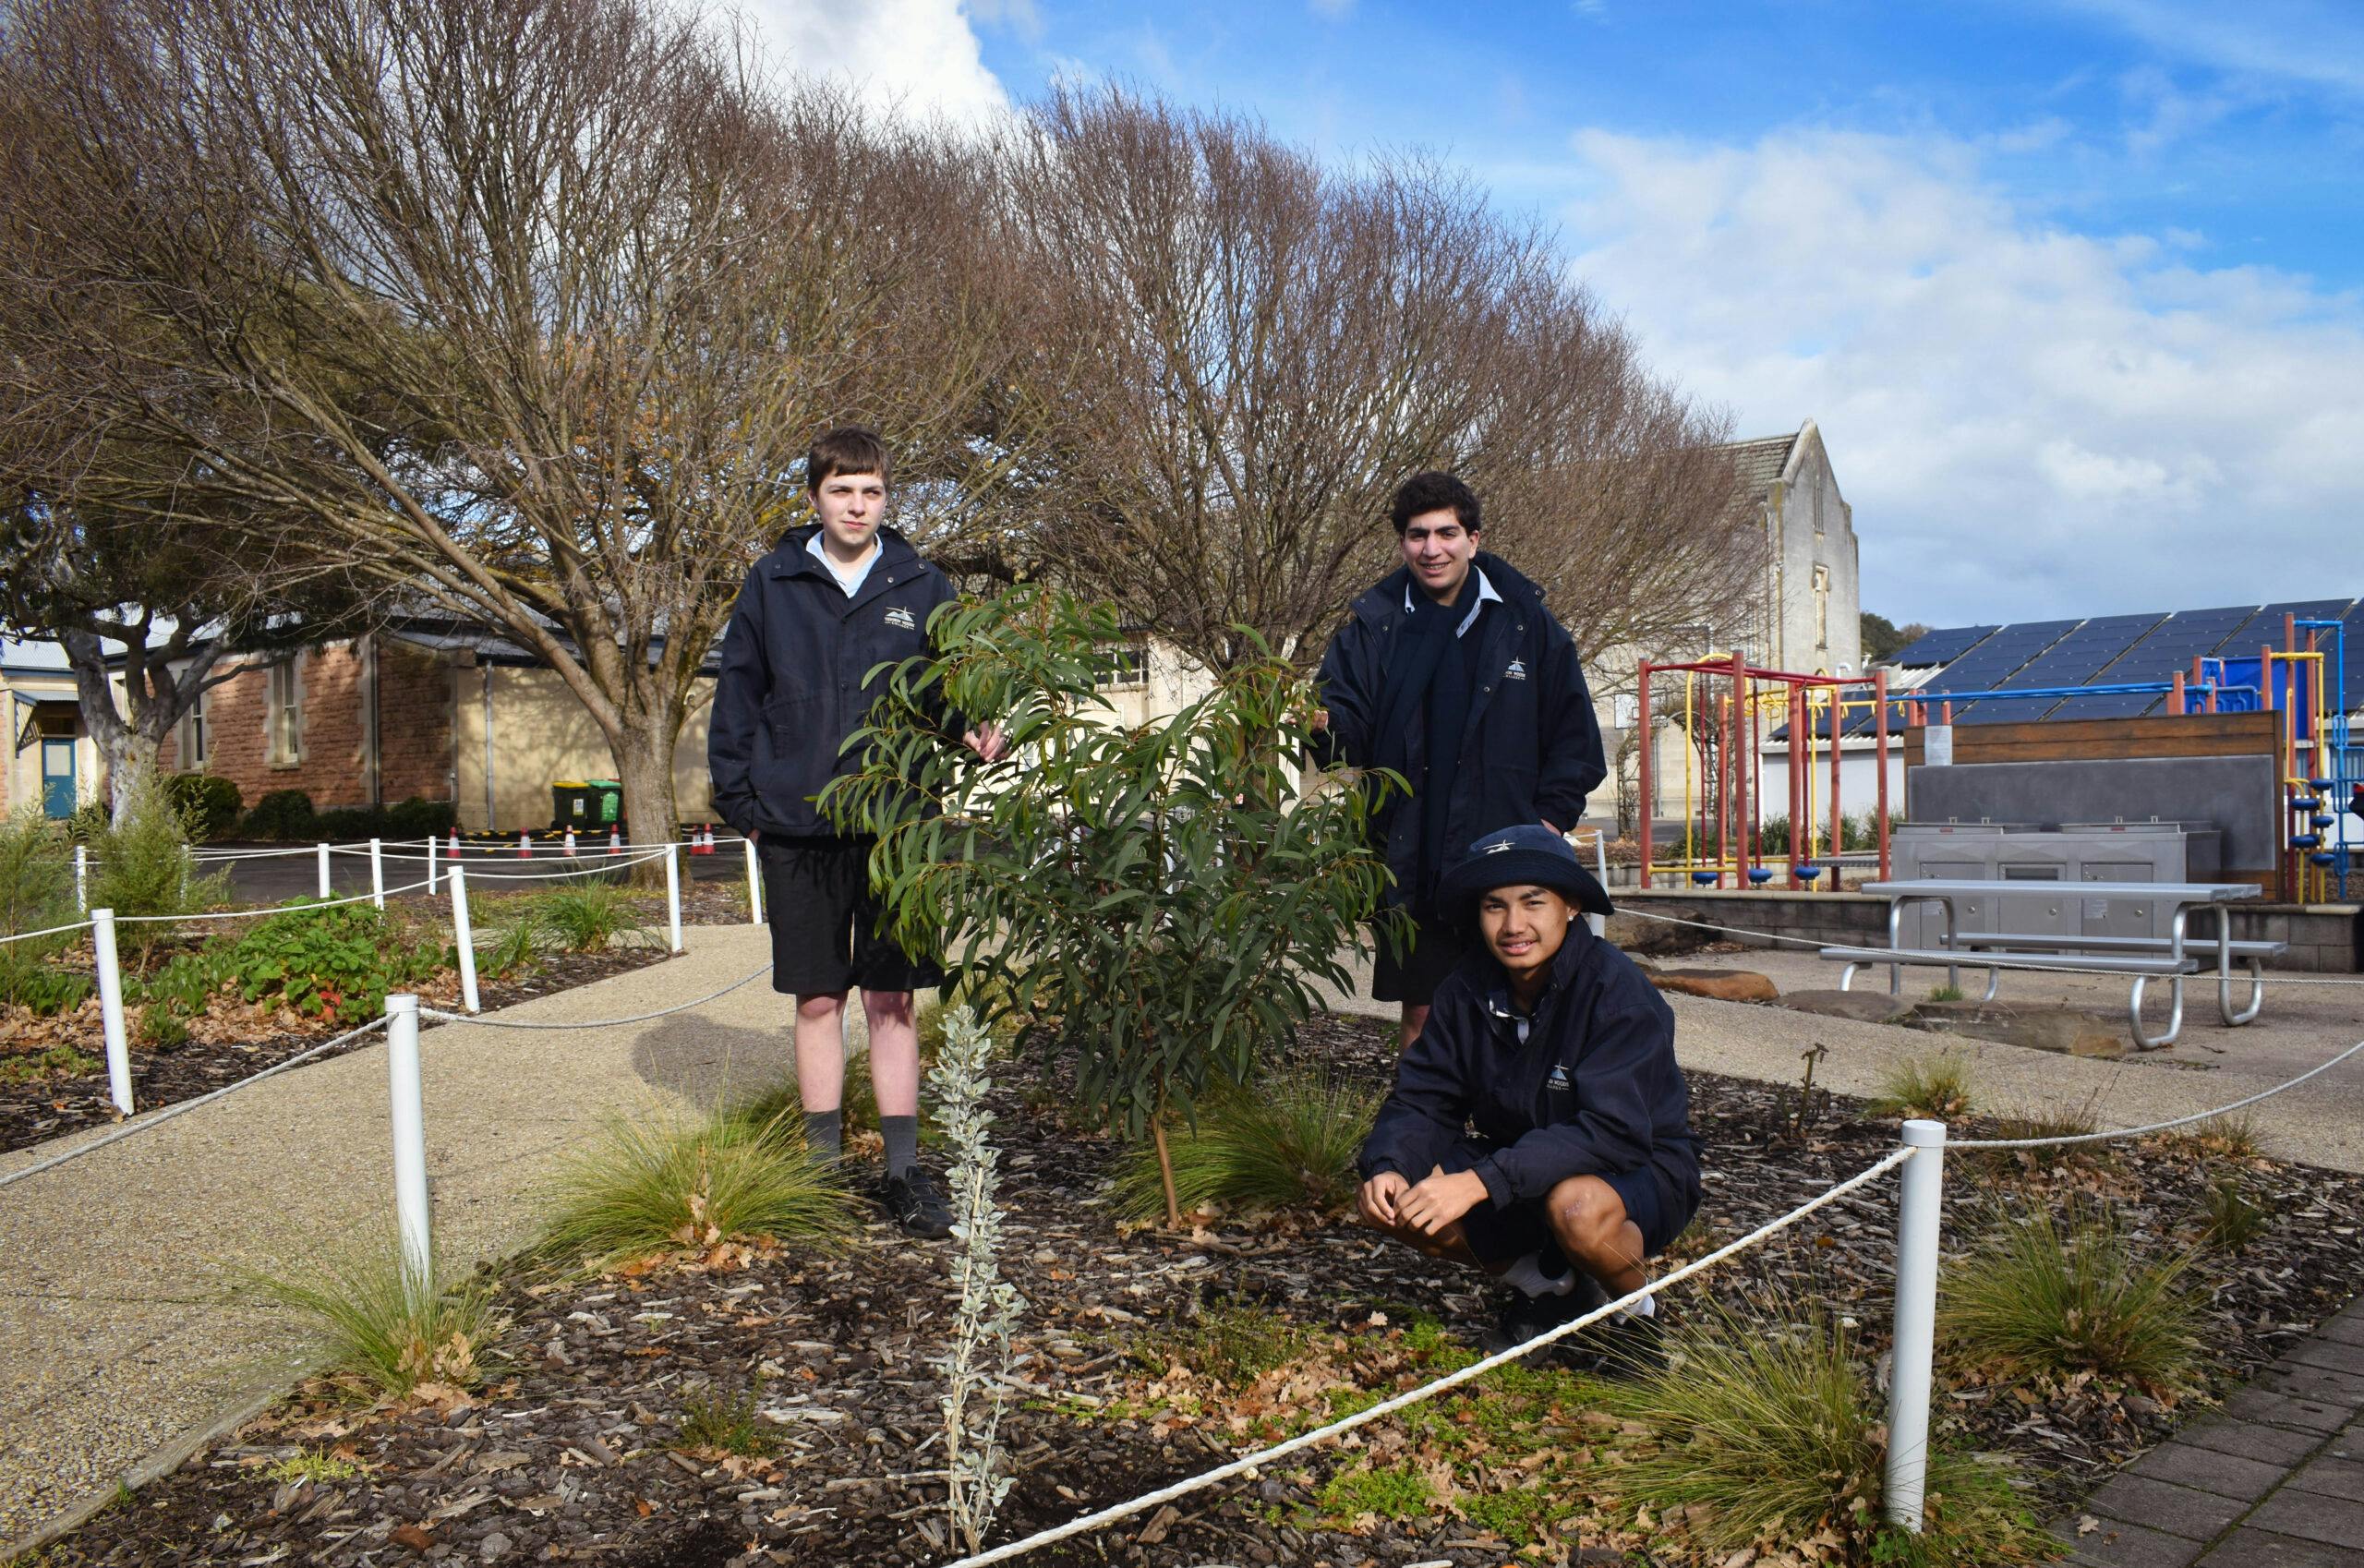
(124, 1318)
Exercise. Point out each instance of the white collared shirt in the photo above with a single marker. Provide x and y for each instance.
(1485, 592)
(849, 579)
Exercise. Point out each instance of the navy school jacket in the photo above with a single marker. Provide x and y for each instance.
(791, 687)
(1531, 748)
(1594, 1089)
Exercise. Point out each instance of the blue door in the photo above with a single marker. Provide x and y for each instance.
(58, 793)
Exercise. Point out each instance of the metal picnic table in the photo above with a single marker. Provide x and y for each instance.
(2172, 956)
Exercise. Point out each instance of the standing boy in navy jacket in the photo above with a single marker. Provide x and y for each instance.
(1452, 673)
(835, 600)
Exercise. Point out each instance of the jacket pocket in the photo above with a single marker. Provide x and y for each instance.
(798, 758)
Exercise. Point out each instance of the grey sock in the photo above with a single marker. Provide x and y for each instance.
(902, 1135)
(825, 1133)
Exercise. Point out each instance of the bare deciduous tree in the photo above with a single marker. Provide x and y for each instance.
(1249, 353)
(527, 308)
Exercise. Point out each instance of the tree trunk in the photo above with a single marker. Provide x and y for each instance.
(1165, 1173)
(645, 768)
(130, 763)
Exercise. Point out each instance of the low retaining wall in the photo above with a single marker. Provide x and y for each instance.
(2324, 938)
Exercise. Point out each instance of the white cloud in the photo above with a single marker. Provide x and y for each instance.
(2028, 421)
(919, 54)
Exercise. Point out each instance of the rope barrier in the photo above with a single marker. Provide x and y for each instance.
(2153, 1126)
(169, 1112)
(592, 1023)
(46, 930)
(478, 877)
(1454, 1379)
(278, 909)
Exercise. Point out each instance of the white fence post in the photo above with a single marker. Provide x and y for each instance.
(754, 885)
(673, 894)
(324, 870)
(1919, 1221)
(407, 1119)
(82, 878)
(110, 1008)
(430, 865)
(464, 938)
(377, 874)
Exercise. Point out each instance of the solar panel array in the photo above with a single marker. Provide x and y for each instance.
(2105, 651)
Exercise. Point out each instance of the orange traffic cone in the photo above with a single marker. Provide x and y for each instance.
(455, 845)
(570, 843)
(525, 846)
(615, 840)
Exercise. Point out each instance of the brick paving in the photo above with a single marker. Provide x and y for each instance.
(2276, 1481)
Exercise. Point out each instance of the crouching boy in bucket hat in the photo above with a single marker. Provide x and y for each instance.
(1551, 1045)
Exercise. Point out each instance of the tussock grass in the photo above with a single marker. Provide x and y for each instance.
(2038, 1120)
(2229, 1220)
(592, 916)
(2043, 1295)
(377, 1325)
(1288, 1141)
(1934, 1086)
(721, 1423)
(1780, 1436)
(661, 1180)
(2230, 1136)
(307, 1464)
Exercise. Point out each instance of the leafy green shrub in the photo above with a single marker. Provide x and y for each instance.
(2042, 1297)
(161, 1029)
(143, 869)
(1288, 1141)
(36, 873)
(1936, 1087)
(338, 960)
(282, 813)
(188, 980)
(657, 1181)
(351, 825)
(1385, 1491)
(1164, 888)
(382, 1327)
(207, 805)
(1779, 1438)
(590, 916)
(28, 980)
(415, 818)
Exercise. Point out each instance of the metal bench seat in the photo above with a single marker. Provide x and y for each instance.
(2198, 948)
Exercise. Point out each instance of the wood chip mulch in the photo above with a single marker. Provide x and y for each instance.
(574, 1450)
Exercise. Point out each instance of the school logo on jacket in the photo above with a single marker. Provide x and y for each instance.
(898, 616)
(1517, 671)
(1559, 1078)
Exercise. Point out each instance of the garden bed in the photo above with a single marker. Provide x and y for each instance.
(609, 1432)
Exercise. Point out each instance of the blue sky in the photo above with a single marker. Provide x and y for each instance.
(2075, 292)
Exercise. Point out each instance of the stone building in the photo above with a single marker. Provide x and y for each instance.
(1808, 613)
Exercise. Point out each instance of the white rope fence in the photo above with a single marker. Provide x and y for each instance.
(180, 1107)
(1264, 1456)
(441, 1015)
(46, 930)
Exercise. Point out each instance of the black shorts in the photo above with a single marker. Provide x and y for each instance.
(824, 921)
(1502, 1237)
(1412, 977)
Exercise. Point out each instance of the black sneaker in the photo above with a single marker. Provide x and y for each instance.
(914, 1203)
(1523, 1317)
(1622, 1349)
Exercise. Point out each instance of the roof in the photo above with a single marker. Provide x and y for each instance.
(1761, 460)
(29, 658)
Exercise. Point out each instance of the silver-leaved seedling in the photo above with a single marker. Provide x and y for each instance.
(979, 1359)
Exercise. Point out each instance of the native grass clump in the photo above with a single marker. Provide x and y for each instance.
(663, 1181)
(381, 1330)
(1288, 1141)
(1937, 1086)
(1778, 1435)
(1167, 890)
(2043, 1296)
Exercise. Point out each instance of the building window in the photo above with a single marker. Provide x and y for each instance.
(284, 715)
(194, 747)
(1822, 606)
(1123, 670)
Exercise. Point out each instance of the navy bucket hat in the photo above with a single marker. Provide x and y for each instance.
(1530, 854)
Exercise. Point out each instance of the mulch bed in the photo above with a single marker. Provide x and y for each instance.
(573, 1450)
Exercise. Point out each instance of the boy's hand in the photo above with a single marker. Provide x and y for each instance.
(987, 742)
(1440, 1200)
(1380, 1196)
(1321, 720)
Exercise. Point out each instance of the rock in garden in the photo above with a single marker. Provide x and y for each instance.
(1867, 1007)
(2067, 1031)
(1722, 984)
